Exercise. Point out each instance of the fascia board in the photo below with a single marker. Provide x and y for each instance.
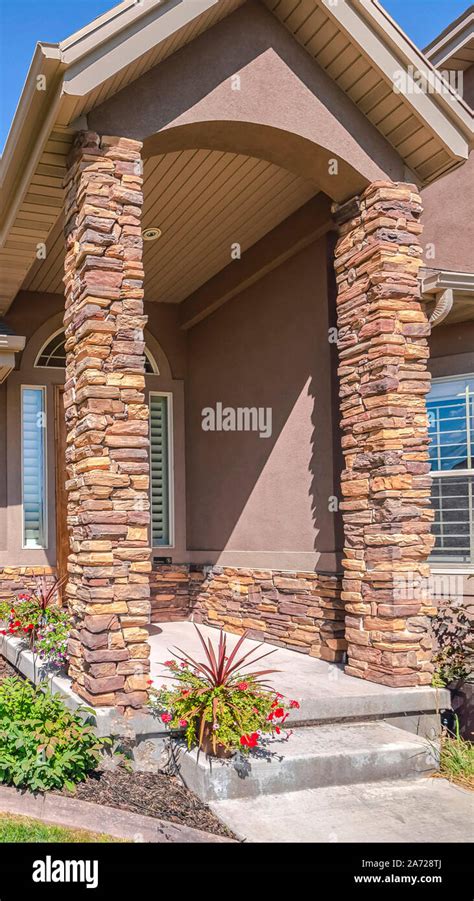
(119, 51)
(46, 61)
(110, 24)
(354, 19)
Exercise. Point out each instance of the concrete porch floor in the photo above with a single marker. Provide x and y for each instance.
(323, 690)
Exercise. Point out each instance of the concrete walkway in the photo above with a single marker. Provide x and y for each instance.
(418, 810)
(323, 689)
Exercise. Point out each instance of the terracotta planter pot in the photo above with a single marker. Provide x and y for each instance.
(206, 745)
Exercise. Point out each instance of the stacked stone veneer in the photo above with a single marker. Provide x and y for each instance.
(299, 610)
(383, 354)
(14, 579)
(107, 423)
(170, 594)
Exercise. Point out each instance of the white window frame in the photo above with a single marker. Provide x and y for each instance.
(451, 566)
(40, 353)
(171, 524)
(148, 355)
(45, 545)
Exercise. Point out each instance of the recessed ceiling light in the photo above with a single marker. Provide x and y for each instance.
(151, 234)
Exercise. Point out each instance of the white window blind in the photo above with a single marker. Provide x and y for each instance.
(451, 426)
(33, 450)
(160, 470)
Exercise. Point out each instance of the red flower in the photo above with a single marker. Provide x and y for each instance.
(149, 682)
(249, 741)
(170, 663)
(277, 730)
(184, 664)
(166, 717)
(3, 631)
(183, 723)
(270, 716)
(186, 692)
(242, 686)
(279, 712)
(294, 705)
(17, 623)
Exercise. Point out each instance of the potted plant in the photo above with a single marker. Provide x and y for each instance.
(36, 617)
(220, 705)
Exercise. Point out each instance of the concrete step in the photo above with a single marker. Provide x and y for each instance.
(396, 810)
(311, 757)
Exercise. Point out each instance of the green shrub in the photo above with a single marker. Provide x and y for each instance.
(44, 745)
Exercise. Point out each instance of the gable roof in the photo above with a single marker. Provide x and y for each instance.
(355, 41)
(454, 47)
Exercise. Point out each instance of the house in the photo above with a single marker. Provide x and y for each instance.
(222, 303)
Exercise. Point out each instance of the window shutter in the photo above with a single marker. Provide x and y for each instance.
(159, 470)
(33, 466)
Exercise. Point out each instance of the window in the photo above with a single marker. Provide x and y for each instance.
(53, 355)
(160, 469)
(451, 426)
(33, 462)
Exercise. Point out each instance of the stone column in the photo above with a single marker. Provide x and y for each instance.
(107, 423)
(383, 353)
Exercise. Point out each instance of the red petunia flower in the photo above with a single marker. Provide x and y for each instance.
(249, 741)
(279, 712)
(295, 705)
(277, 730)
(149, 682)
(242, 686)
(170, 663)
(166, 717)
(186, 692)
(183, 723)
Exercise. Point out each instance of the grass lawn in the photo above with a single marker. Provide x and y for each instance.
(23, 829)
(457, 761)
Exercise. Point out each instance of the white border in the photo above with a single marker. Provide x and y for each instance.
(171, 545)
(45, 545)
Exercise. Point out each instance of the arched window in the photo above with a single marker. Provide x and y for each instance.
(53, 354)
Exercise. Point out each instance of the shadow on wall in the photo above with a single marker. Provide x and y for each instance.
(266, 349)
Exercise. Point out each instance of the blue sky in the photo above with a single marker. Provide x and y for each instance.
(23, 22)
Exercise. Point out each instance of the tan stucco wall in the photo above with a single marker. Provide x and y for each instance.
(264, 501)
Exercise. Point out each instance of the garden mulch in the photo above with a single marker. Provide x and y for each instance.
(153, 795)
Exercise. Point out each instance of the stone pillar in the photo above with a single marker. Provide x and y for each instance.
(107, 422)
(383, 353)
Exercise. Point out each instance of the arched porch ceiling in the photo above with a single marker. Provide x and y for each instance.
(203, 201)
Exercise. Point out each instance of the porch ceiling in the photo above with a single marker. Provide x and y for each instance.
(203, 201)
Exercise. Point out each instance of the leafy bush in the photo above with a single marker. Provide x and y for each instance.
(454, 650)
(219, 707)
(44, 745)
